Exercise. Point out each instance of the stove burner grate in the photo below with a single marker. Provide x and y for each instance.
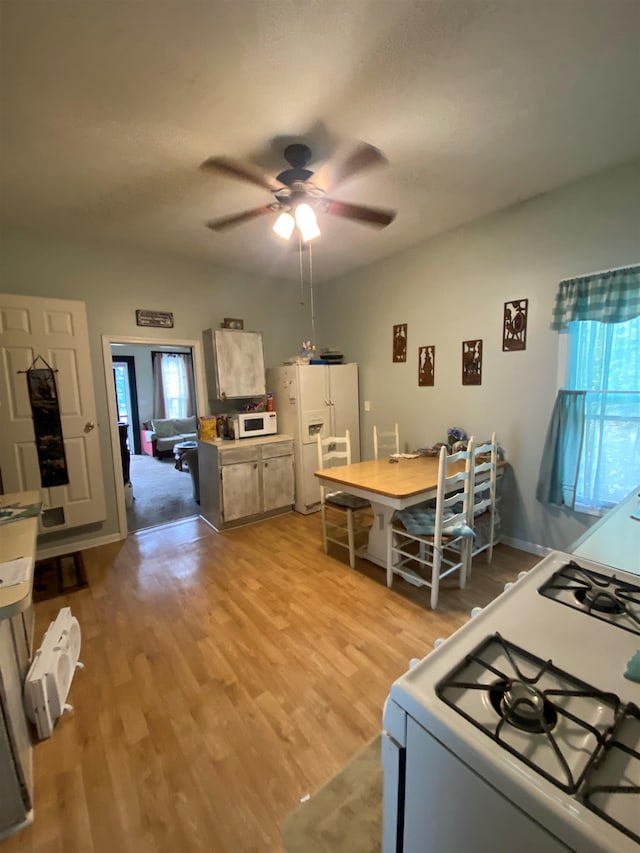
(530, 708)
(600, 596)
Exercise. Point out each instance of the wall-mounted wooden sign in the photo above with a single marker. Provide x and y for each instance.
(472, 362)
(426, 365)
(163, 319)
(400, 342)
(514, 326)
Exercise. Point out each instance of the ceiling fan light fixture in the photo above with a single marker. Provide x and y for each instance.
(284, 225)
(306, 222)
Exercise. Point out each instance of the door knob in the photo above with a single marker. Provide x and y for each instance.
(89, 426)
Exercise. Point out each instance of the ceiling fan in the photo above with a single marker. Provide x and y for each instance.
(298, 192)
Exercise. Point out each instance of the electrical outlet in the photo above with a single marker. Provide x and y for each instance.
(367, 405)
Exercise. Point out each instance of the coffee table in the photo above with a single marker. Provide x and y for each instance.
(179, 450)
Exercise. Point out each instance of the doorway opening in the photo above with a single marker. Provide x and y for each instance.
(160, 489)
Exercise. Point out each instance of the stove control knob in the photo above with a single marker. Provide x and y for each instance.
(475, 612)
(437, 643)
(522, 575)
(507, 586)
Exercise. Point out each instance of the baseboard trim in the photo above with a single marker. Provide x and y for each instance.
(81, 545)
(522, 545)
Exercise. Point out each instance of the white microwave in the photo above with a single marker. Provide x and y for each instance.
(250, 424)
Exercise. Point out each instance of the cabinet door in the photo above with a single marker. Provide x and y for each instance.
(239, 363)
(240, 495)
(277, 482)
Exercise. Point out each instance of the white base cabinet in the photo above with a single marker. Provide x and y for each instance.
(245, 480)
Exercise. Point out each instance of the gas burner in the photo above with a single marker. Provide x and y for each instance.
(523, 706)
(604, 597)
(599, 599)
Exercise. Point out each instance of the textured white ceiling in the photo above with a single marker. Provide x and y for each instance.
(108, 108)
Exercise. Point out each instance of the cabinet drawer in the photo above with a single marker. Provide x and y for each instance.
(278, 448)
(231, 455)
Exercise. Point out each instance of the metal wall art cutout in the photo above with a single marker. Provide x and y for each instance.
(472, 362)
(514, 326)
(47, 426)
(426, 365)
(400, 342)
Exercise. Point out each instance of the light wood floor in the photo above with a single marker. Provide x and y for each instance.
(226, 675)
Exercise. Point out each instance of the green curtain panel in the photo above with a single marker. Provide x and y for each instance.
(609, 297)
(560, 464)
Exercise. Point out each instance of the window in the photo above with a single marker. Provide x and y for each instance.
(604, 361)
(173, 385)
(591, 455)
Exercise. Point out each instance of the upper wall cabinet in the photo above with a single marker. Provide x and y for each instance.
(234, 362)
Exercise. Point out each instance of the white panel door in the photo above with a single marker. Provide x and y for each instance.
(55, 329)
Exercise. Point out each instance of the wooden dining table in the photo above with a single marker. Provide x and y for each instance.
(388, 485)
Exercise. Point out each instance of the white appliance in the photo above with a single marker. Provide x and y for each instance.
(521, 732)
(312, 399)
(252, 424)
(49, 678)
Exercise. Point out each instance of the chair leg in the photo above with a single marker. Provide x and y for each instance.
(435, 579)
(465, 568)
(352, 543)
(323, 518)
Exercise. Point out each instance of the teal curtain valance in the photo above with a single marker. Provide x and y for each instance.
(609, 297)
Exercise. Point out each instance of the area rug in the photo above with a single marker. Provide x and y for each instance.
(345, 815)
(161, 493)
(58, 576)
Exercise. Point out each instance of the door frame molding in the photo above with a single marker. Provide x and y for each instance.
(201, 400)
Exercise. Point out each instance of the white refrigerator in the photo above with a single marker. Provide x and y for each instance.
(311, 399)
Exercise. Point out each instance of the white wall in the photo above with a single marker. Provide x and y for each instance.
(453, 288)
(114, 283)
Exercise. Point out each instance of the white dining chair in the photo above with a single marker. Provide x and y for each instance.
(385, 442)
(483, 505)
(340, 512)
(430, 541)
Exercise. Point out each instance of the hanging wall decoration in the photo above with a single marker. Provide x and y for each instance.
(514, 326)
(426, 365)
(472, 362)
(43, 397)
(400, 342)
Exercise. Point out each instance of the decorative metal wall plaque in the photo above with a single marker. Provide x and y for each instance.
(426, 365)
(162, 319)
(472, 362)
(514, 326)
(400, 342)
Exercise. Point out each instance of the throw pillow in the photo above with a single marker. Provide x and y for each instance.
(185, 426)
(163, 427)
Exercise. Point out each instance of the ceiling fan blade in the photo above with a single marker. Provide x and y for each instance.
(363, 156)
(242, 169)
(369, 215)
(236, 219)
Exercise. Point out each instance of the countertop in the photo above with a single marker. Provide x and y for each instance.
(614, 540)
(18, 539)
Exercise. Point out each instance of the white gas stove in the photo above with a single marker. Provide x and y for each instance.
(521, 731)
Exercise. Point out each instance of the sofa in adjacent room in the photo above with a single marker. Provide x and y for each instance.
(160, 435)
